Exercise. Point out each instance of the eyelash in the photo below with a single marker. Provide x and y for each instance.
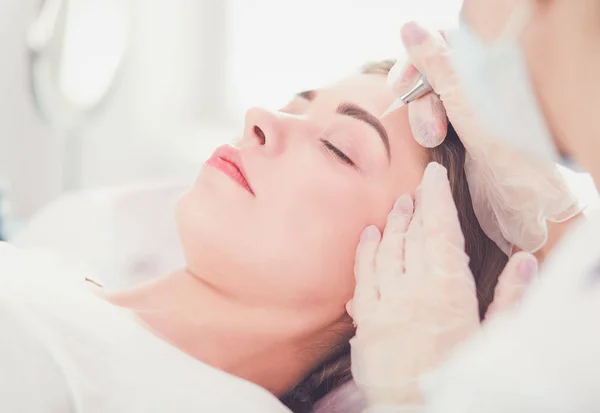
(341, 155)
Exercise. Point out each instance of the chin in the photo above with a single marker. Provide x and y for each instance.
(208, 201)
(211, 225)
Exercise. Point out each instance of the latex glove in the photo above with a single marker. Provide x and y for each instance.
(513, 196)
(415, 296)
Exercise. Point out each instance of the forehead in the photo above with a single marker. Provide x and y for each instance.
(368, 91)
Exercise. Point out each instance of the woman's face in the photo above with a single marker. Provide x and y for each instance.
(320, 170)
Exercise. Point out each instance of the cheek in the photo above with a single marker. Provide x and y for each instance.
(314, 223)
(211, 228)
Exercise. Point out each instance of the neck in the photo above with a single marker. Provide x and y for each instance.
(256, 344)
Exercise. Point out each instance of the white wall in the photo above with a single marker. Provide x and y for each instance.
(164, 114)
(278, 48)
(163, 103)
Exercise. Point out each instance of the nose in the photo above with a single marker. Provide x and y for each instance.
(263, 127)
(275, 131)
(267, 129)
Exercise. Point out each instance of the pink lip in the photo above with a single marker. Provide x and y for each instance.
(227, 159)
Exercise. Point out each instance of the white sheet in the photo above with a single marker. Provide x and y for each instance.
(63, 350)
(118, 236)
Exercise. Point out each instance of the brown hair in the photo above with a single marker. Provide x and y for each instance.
(486, 263)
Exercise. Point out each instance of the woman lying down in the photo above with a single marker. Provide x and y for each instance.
(256, 321)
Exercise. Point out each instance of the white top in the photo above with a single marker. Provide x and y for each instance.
(64, 350)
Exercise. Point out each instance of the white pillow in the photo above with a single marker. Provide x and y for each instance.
(117, 236)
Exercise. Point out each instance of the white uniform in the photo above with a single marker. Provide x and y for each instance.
(544, 357)
(64, 350)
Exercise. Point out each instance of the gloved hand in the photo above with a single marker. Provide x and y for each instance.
(543, 356)
(513, 195)
(415, 296)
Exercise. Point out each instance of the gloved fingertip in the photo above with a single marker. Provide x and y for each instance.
(404, 205)
(527, 268)
(370, 233)
(430, 136)
(413, 34)
(428, 115)
(349, 308)
(435, 172)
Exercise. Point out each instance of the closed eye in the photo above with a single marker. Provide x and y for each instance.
(341, 155)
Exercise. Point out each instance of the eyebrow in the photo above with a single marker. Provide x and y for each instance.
(356, 112)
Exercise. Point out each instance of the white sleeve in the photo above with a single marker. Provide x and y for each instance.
(30, 380)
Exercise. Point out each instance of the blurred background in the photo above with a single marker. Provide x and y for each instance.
(97, 93)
